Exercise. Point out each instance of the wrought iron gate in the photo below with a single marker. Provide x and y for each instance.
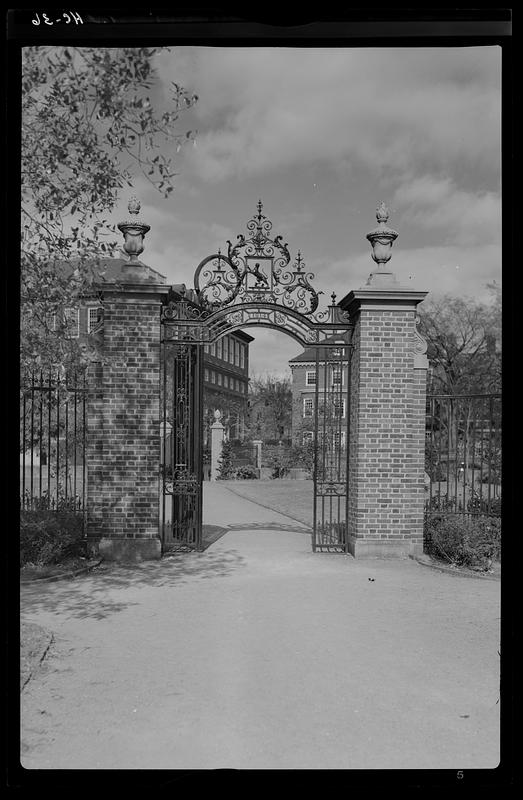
(253, 285)
(331, 449)
(182, 457)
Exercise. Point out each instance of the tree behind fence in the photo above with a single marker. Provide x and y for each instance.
(463, 454)
(53, 472)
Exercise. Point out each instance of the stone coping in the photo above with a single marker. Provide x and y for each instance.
(427, 561)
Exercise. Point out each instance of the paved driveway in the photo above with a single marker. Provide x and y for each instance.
(260, 654)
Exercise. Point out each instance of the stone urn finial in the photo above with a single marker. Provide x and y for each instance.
(133, 231)
(382, 238)
(217, 415)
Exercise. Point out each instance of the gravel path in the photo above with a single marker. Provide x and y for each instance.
(260, 654)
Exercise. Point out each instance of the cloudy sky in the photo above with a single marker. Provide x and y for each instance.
(321, 136)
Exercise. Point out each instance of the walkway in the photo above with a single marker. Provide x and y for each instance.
(260, 654)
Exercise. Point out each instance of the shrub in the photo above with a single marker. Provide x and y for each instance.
(226, 469)
(463, 541)
(246, 473)
(302, 456)
(482, 504)
(279, 467)
(47, 537)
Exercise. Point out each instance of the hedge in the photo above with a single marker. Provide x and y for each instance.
(47, 537)
(473, 541)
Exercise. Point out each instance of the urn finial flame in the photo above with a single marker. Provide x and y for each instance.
(382, 213)
(134, 205)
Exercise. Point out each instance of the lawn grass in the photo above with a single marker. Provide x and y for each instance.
(290, 497)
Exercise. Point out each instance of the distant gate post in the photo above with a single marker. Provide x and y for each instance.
(217, 436)
(387, 410)
(124, 408)
(257, 443)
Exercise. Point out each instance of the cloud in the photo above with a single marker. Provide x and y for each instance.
(467, 218)
(268, 108)
(462, 271)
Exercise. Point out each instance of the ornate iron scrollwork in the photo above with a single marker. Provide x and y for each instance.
(256, 269)
(254, 284)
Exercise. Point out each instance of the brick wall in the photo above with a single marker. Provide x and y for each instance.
(386, 434)
(124, 413)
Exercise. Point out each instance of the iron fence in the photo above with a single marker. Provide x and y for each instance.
(244, 454)
(53, 472)
(463, 449)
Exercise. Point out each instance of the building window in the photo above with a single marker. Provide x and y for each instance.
(336, 440)
(336, 375)
(213, 376)
(242, 356)
(93, 315)
(308, 436)
(236, 353)
(213, 349)
(226, 381)
(206, 375)
(338, 407)
(310, 378)
(219, 348)
(226, 348)
(308, 406)
(219, 379)
(72, 322)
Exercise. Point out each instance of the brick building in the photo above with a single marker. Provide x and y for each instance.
(226, 363)
(304, 379)
(225, 384)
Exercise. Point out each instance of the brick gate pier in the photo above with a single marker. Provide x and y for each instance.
(387, 409)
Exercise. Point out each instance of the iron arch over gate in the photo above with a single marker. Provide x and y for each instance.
(253, 285)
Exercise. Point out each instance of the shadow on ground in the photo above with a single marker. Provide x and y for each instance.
(97, 595)
(268, 526)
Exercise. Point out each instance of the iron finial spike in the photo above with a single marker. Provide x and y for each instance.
(333, 298)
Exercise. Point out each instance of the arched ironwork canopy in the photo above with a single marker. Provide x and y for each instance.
(254, 285)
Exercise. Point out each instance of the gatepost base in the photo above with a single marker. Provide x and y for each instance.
(380, 548)
(129, 551)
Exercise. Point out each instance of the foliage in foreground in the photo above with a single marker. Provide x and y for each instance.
(48, 537)
(463, 541)
(89, 127)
